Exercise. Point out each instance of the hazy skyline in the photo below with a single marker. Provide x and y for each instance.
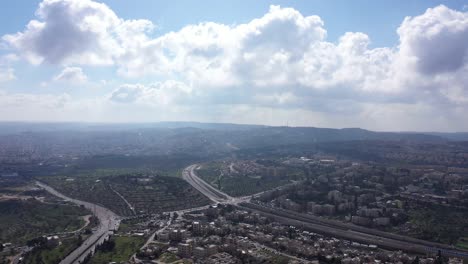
(395, 66)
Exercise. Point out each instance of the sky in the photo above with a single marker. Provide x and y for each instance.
(380, 65)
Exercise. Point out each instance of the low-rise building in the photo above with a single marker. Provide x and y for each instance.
(199, 253)
(211, 250)
(184, 250)
(359, 220)
(382, 221)
(163, 236)
(328, 209)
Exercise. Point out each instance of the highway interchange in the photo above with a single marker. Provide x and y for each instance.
(109, 222)
(322, 225)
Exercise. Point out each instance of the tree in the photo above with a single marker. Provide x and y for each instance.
(291, 233)
(440, 259)
(39, 241)
(80, 240)
(416, 260)
(38, 259)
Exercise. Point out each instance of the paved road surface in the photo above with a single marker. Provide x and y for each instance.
(109, 221)
(209, 191)
(323, 225)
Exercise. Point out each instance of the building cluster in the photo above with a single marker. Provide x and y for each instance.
(237, 236)
(370, 195)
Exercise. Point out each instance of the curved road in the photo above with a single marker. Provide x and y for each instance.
(323, 225)
(108, 220)
(209, 191)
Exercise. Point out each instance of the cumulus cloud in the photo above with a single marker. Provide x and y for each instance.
(71, 75)
(436, 41)
(72, 31)
(432, 59)
(281, 61)
(160, 93)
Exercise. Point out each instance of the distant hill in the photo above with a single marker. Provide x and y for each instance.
(21, 127)
(458, 136)
(268, 136)
(170, 145)
(214, 126)
(167, 136)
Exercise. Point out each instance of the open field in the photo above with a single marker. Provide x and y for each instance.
(129, 194)
(52, 255)
(168, 258)
(23, 220)
(120, 249)
(439, 224)
(238, 185)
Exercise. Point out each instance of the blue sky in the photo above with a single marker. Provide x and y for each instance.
(319, 63)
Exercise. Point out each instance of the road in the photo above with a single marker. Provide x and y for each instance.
(108, 220)
(387, 241)
(168, 223)
(323, 225)
(130, 206)
(209, 191)
(18, 258)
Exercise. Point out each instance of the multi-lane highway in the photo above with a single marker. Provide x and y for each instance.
(109, 222)
(323, 225)
(209, 191)
(355, 233)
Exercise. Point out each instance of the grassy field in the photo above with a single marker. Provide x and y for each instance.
(462, 243)
(124, 248)
(211, 173)
(147, 193)
(168, 258)
(89, 188)
(23, 220)
(439, 224)
(150, 194)
(52, 255)
(238, 185)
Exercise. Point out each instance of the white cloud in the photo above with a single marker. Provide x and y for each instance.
(33, 101)
(160, 94)
(281, 61)
(127, 93)
(75, 31)
(71, 75)
(8, 59)
(435, 41)
(432, 60)
(7, 74)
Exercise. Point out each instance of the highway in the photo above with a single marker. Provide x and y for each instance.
(213, 194)
(365, 236)
(108, 220)
(322, 225)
